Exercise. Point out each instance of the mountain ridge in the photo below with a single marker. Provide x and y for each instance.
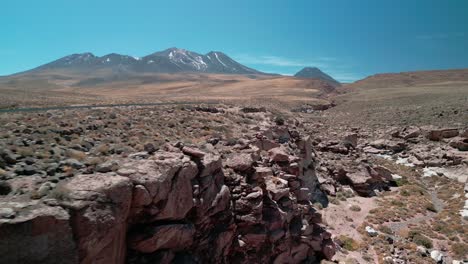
(172, 60)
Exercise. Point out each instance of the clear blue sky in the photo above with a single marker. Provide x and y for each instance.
(347, 39)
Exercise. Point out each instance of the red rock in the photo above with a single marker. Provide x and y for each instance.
(141, 196)
(460, 144)
(240, 162)
(210, 165)
(328, 249)
(439, 134)
(351, 140)
(193, 152)
(175, 237)
(40, 234)
(261, 173)
(277, 187)
(100, 205)
(278, 155)
(180, 200)
(265, 144)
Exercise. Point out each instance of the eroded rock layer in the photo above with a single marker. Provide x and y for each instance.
(252, 203)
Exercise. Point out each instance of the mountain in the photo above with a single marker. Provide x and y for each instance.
(414, 78)
(315, 73)
(173, 60)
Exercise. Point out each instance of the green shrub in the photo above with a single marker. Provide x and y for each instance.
(348, 243)
(420, 239)
(355, 208)
(401, 182)
(385, 229)
(279, 120)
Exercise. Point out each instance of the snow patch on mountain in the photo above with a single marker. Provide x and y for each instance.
(216, 55)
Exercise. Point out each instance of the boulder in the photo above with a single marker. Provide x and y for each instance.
(8, 157)
(309, 180)
(350, 140)
(437, 256)
(303, 195)
(150, 148)
(277, 187)
(306, 151)
(408, 132)
(7, 213)
(459, 143)
(366, 180)
(108, 166)
(240, 162)
(265, 144)
(278, 155)
(396, 145)
(210, 165)
(261, 173)
(371, 231)
(439, 134)
(193, 152)
(464, 134)
(5, 188)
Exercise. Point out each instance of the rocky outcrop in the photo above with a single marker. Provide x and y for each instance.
(181, 204)
(37, 234)
(99, 207)
(439, 134)
(367, 180)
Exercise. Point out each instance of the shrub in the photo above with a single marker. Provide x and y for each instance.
(401, 182)
(385, 229)
(318, 205)
(75, 154)
(348, 243)
(102, 149)
(405, 192)
(355, 208)
(397, 203)
(26, 152)
(60, 192)
(420, 239)
(460, 250)
(5, 188)
(334, 200)
(279, 120)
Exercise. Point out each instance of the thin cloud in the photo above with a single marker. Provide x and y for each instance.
(281, 61)
(345, 77)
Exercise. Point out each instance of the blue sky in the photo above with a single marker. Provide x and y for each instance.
(347, 39)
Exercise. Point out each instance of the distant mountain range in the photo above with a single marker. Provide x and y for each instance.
(315, 73)
(172, 60)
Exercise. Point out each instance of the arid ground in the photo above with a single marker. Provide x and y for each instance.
(383, 162)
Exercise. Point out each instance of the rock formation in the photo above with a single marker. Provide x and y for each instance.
(252, 204)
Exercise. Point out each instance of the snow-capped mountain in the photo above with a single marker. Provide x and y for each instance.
(172, 60)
